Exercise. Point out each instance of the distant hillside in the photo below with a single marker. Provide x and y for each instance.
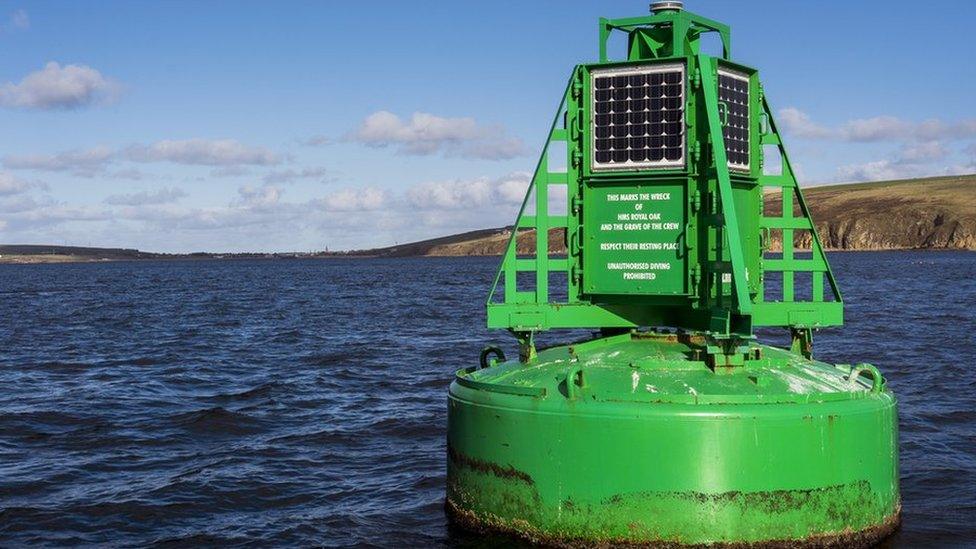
(30, 253)
(469, 243)
(45, 253)
(935, 212)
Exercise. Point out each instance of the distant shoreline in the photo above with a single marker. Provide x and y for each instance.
(62, 259)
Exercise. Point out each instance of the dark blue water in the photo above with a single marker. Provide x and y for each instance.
(303, 402)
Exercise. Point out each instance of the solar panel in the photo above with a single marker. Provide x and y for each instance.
(733, 91)
(638, 117)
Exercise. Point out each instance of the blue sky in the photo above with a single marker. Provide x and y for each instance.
(245, 126)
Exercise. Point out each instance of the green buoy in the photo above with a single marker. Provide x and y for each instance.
(672, 425)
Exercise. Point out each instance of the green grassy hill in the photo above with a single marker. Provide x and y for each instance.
(935, 212)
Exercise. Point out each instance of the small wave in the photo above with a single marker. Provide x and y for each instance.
(217, 420)
(264, 390)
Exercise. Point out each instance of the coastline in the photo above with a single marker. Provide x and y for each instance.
(55, 259)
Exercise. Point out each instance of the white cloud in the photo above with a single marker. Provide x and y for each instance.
(878, 170)
(128, 173)
(229, 171)
(922, 146)
(17, 204)
(227, 154)
(59, 88)
(468, 194)
(161, 196)
(875, 129)
(11, 185)
(878, 128)
(926, 151)
(288, 176)
(264, 207)
(83, 163)
(47, 214)
(427, 134)
(423, 134)
(511, 188)
(348, 200)
(911, 160)
(261, 216)
(798, 123)
(495, 145)
(881, 170)
(936, 129)
(259, 197)
(201, 152)
(15, 197)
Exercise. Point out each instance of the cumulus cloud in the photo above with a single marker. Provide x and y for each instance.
(914, 159)
(229, 171)
(17, 204)
(201, 152)
(259, 197)
(926, 151)
(10, 185)
(16, 198)
(878, 128)
(468, 193)
(349, 200)
(798, 123)
(427, 134)
(922, 146)
(225, 154)
(83, 163)
(289, 176)
(263, 206)
(131, 174)
(881, 170)
(33, 215)
(57, 87)
(162, 196)
(261, 216)
(875, 129)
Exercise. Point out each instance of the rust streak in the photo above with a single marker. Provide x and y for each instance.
(483, 466)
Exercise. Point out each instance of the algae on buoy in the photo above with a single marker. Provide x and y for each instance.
(673, 425)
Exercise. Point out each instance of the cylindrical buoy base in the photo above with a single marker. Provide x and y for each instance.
(571, 451)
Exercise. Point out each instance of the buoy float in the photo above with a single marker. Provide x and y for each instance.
(672, 425)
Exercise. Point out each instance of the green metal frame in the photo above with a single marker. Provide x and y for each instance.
(720, 309)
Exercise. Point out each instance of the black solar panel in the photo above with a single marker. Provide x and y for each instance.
(733, 91)
(638, 119)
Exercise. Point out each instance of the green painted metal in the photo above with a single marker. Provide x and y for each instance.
(724, 228)
(624, 439)
(674, 426)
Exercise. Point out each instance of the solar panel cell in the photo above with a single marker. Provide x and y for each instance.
(639, 120)
(733, 94)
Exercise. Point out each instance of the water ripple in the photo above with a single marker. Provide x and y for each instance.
(257, 403)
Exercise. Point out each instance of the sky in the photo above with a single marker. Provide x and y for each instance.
(300, 126)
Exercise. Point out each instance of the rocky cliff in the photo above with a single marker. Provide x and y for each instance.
(935, 212)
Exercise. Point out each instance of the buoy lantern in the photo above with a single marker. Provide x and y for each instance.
(672, 425)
